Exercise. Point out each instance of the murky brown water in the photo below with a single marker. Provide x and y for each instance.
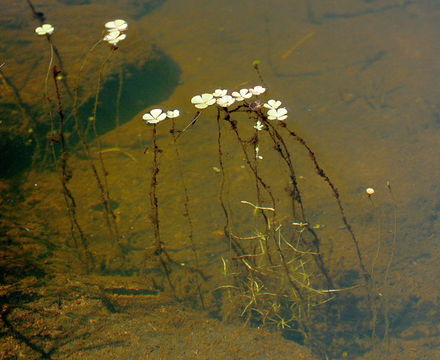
(360, 81)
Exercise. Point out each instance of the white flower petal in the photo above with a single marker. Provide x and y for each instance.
(277, 114)
(207, 97)
(259, 126)
(225, 101)
(45, 29)
(219, 93)
(257, 90)
(154, 116)
(196, 99)
(121, 24)
(203, 101)
(272, 104)
(245, 93)
(48, 28)
(112, 35)
(201, 106)
(282, 111)
(173, 113)
(161, 117)
(155, 112)
(237, 96)
(272, 114)
(118, 24)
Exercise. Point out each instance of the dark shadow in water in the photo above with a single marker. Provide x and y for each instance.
(16, 154)
(142, 87)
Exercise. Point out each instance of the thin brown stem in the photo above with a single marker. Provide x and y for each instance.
(336, 195)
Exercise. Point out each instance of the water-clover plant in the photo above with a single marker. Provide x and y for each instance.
(242, 94)
(45, 29)
(203, 101)
(113, 37)
(155, 116)
(277, 114)
(224, 100)
(115, 29)
(116, 25)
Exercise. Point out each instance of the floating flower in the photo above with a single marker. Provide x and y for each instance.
(277, 114)
(113, 37)
(219, 93)
(173, 113)
(154, 116)
(203, 101)
(257, 90)
(369, 191)
(243, 94)
(272, 104)
(116, 25)
(225, 101)
(259, 125)
(46, 29)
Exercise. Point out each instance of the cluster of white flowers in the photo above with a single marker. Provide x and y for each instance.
(155, 116)
(223, 99)
(46, 29)
(115, 29)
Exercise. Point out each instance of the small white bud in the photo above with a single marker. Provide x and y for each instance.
(369, 191)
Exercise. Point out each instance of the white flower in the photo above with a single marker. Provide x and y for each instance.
(203, 101)
(173, 113)
(219, 93)
(113, 37)
(243, 94)
(369, 191)
(277, 114)
(257, 90)
(116, 25)
(259, 126)
(46, 29)
(272, 104)
(154, 116)
(225, 101)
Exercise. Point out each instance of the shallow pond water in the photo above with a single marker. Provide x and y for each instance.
(91, 267)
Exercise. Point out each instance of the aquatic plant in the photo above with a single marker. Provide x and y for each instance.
(275, 272)
(115, 34)
(45, 29)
